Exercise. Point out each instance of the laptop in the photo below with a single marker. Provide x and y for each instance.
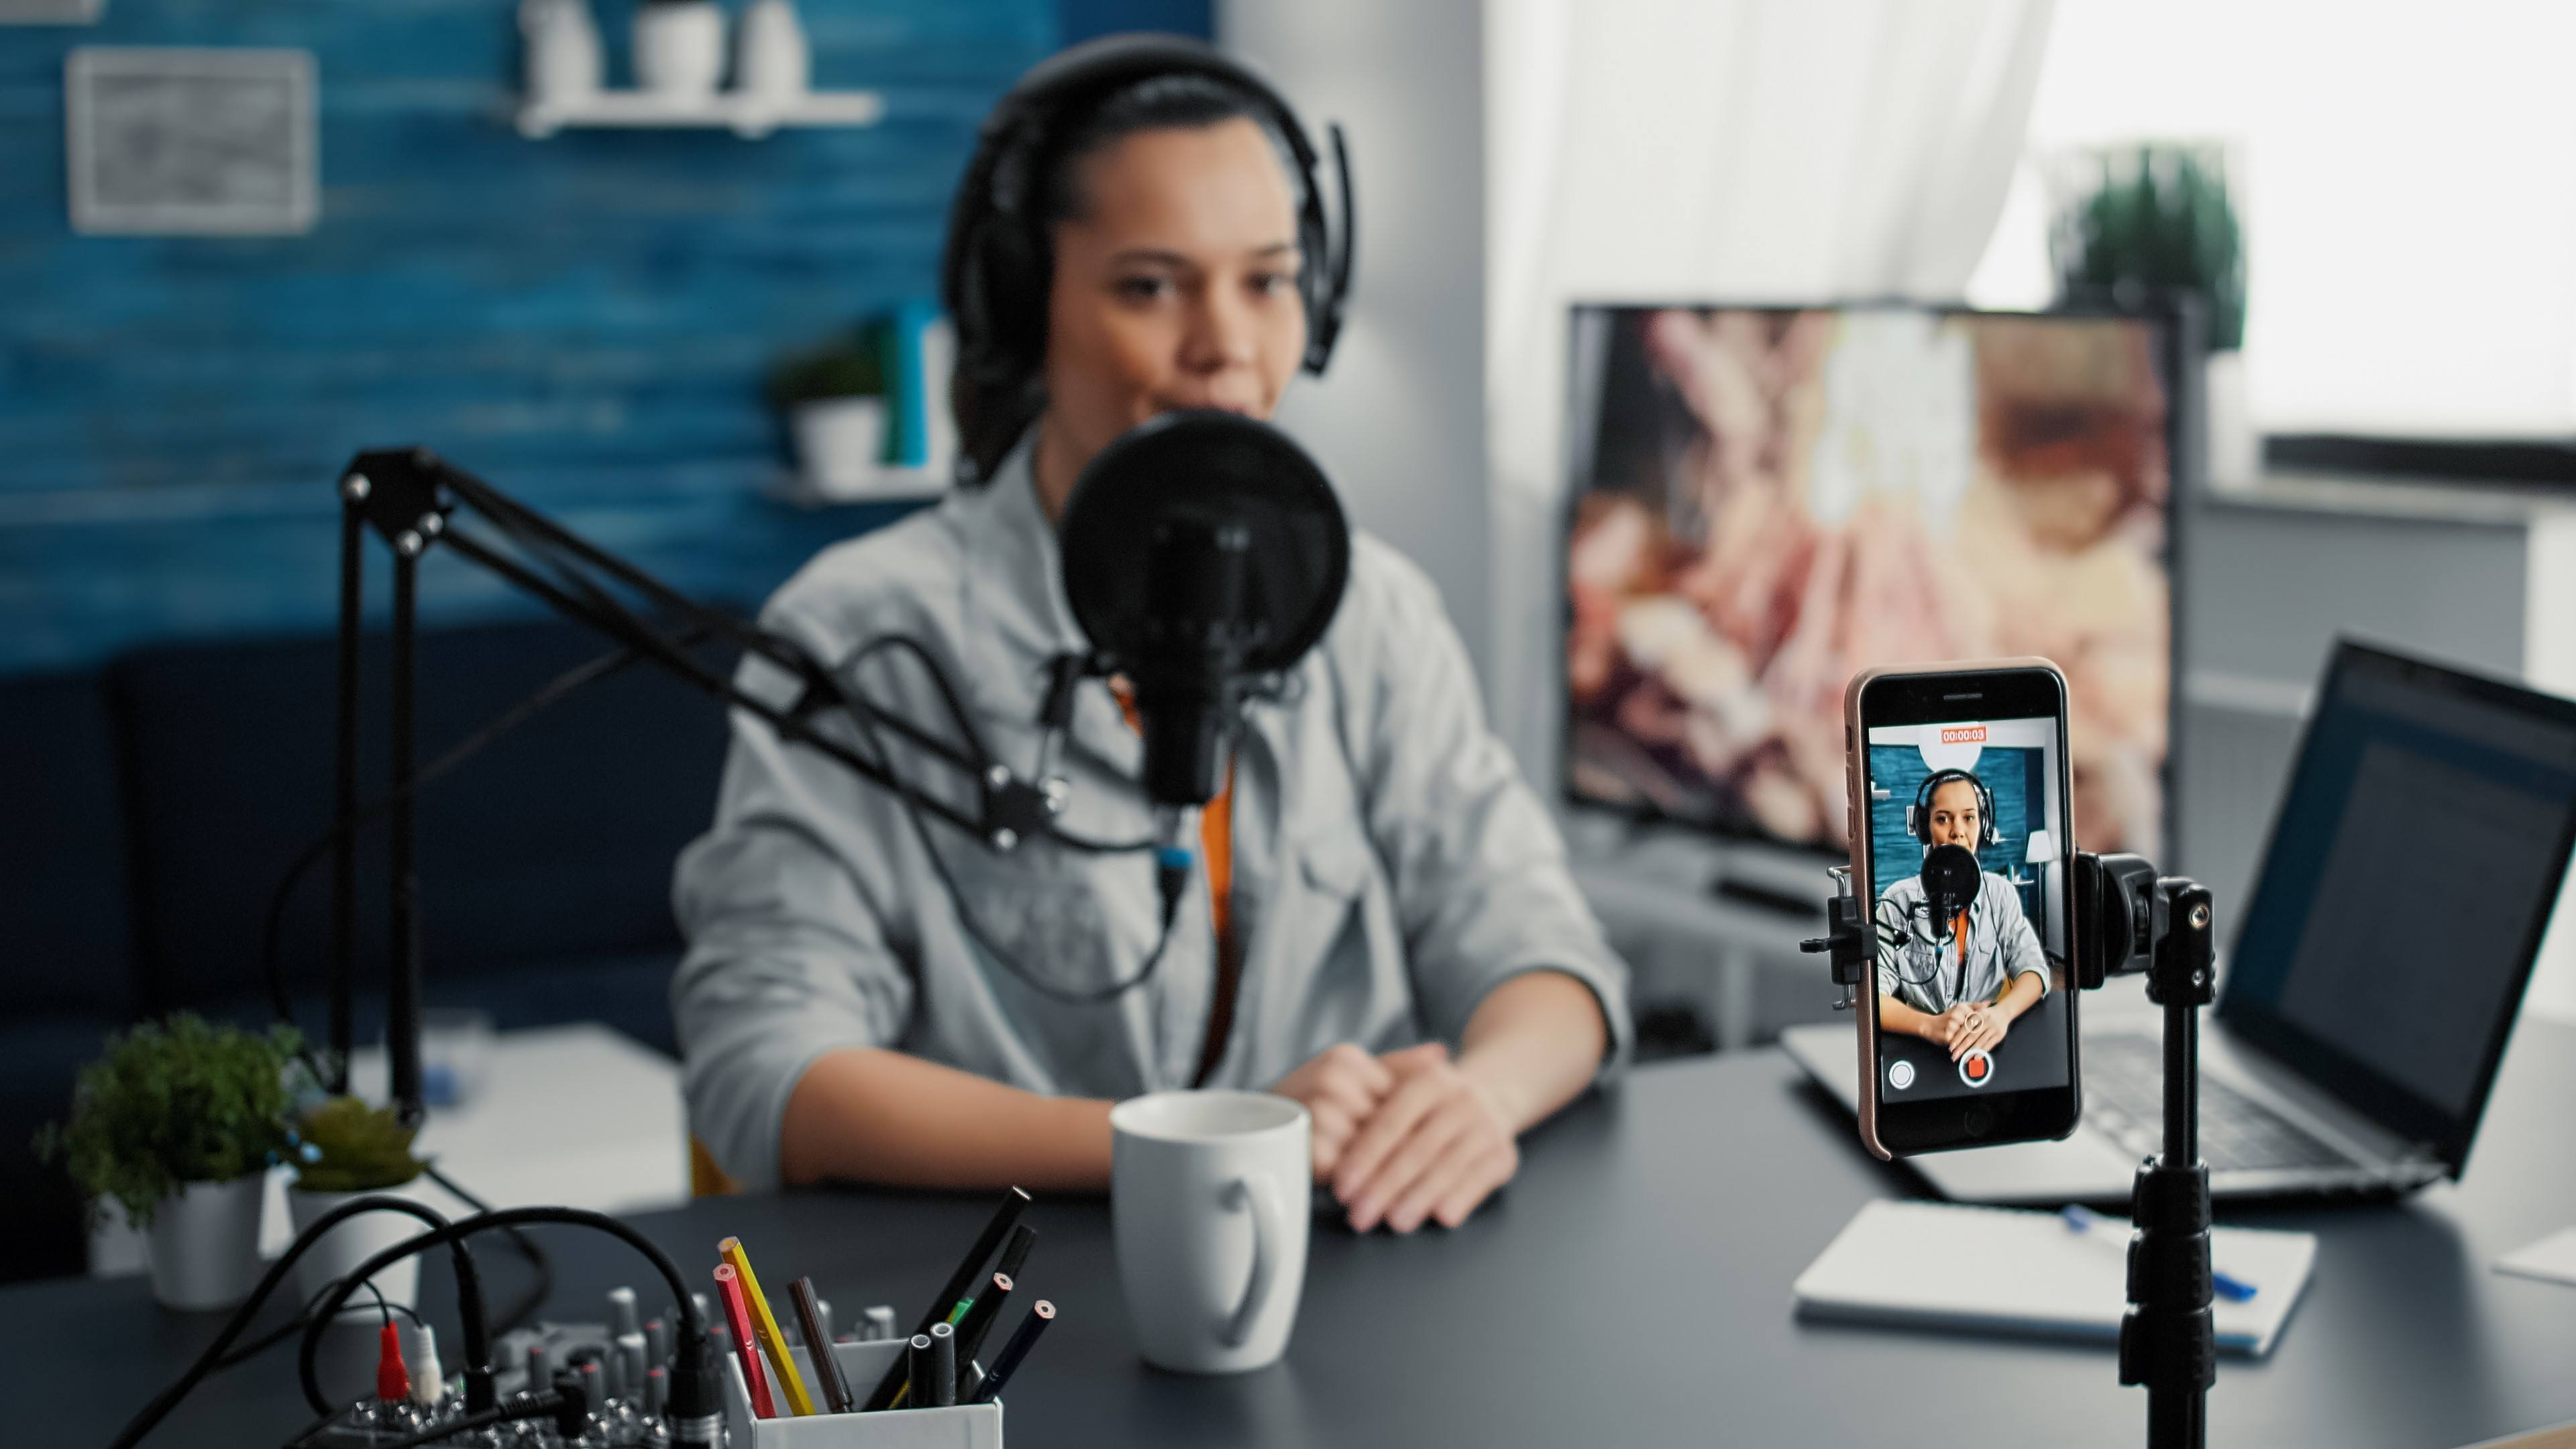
(2393, 923)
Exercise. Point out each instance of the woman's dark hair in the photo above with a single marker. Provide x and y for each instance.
(998, 389)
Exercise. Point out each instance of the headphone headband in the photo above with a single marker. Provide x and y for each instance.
(988, 216)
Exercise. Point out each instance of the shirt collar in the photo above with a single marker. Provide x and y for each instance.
(1015, 568)
(1016, 615)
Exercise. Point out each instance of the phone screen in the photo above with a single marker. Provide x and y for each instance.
(1967, 899)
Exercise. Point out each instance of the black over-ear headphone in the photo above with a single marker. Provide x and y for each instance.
(989, 273)
(1918, 816)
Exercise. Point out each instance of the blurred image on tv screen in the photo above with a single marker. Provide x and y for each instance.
(1767, 501)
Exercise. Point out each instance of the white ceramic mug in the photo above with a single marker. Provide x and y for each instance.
(1208, 1196)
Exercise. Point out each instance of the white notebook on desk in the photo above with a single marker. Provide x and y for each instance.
(1939, 1265)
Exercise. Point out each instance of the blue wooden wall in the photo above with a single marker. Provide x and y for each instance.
(585, 321)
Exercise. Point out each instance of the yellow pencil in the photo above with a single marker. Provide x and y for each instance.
(765, 1328)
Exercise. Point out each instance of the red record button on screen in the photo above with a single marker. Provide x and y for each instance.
(1976, 1068)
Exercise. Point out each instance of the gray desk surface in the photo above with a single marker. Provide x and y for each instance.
(1632, 1287)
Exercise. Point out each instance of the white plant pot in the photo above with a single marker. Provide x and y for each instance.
(679, 47)
(205, 1244)
(117, 1248)
(841, 444)
(354, 1241)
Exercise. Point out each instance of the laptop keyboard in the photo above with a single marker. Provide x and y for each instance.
(2124, 1097)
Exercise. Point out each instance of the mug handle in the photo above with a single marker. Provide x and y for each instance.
(1269, 1227)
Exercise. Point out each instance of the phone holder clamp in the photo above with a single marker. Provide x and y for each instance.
(2130, 921)
(1846, 939)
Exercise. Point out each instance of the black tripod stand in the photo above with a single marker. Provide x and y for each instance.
(2130, 920)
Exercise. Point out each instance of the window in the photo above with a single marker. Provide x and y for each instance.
(2407, 178)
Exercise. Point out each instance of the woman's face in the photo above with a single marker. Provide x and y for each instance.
(1176, 287)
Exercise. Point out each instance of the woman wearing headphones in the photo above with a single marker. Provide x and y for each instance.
(1382, 926)
(1959, 983)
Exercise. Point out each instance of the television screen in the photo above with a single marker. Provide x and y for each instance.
(1768, 500)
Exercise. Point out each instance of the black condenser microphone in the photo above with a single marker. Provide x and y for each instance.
(1195, 637)
(1950, 882)
(1202, 551)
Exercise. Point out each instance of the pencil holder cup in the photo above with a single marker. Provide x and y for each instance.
(966, 1426)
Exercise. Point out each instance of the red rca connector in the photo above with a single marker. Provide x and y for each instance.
(393, 1380)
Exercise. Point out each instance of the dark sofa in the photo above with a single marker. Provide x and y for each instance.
(149, 810)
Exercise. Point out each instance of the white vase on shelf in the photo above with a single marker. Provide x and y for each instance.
(564, 56)
(679, 47)
(772, 61)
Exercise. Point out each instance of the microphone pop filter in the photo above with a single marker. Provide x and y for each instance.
(1208, 473)
(1950, 880)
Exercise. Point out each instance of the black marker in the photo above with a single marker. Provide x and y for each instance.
(1023, 1338)
(1005, 1218)
(818, 1347)
(1015, 1254)
(942, 1386)
(916, 1366)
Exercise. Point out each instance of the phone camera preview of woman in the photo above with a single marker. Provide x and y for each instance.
(1958, 963)
(1382, 925)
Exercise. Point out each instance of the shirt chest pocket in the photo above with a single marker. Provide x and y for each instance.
(1926, 965)
(1336, 973)
(1336, 861)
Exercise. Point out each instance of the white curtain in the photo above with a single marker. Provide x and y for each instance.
(1712, 151)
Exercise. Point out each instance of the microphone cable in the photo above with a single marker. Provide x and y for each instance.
(469, 1304)
(844, 679)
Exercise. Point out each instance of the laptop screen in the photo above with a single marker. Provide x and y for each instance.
(2400, 904)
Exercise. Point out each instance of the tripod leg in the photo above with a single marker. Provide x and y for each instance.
(2169, 1339)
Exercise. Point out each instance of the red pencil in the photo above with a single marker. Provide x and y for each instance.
(738, 1316)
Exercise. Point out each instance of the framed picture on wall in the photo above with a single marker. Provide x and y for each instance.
(176, 142)
(50, 12)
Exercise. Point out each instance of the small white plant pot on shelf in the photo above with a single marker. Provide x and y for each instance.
(840, 444)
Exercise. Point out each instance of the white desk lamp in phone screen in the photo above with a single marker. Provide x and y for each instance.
(2039, 850)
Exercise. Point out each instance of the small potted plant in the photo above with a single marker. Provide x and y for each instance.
(2160, 217)
(177, 1124)
(346, 1149)
(834, 399)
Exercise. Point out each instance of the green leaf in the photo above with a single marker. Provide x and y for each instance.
(173, 1102)
(361, 1148)
(2159, 218)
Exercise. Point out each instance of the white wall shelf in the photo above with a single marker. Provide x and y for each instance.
(747, 116)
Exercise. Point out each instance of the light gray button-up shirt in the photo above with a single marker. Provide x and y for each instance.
(1919, 965)
(1390, 867)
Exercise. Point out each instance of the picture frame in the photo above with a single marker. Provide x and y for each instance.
(191, 141)
(51, 12)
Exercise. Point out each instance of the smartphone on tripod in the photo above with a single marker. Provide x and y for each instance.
(1961, 828)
